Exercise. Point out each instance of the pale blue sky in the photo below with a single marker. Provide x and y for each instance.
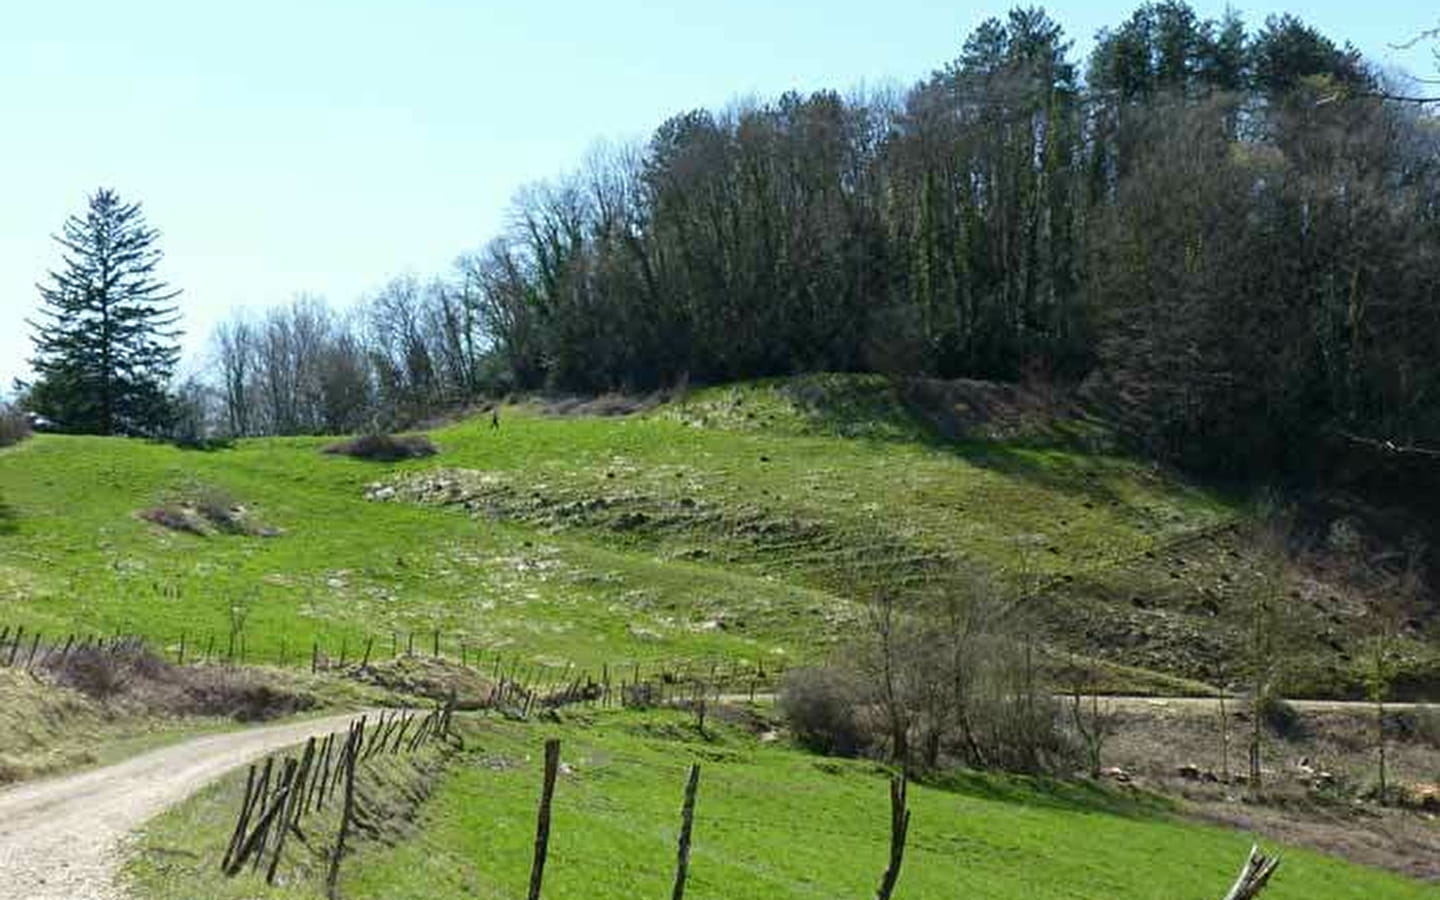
(325, 146)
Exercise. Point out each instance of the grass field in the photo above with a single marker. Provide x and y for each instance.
(745, 523)
(770, 823)
(740, 523)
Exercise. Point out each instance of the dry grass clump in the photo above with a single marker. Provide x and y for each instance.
(430, 677)
(385, 447)
(204, 510)
(132, 679)
(14, 425)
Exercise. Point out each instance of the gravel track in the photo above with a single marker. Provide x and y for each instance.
(60, 839)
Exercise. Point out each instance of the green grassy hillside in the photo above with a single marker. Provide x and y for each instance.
(741, 522)
(690, 531)
(770, 823)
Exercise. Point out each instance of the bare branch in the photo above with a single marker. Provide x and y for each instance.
(1389, 446)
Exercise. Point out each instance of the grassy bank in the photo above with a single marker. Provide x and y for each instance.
(680, 534)
(771, 822)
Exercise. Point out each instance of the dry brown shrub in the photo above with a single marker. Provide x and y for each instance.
(205, 509)
(385, 447)
(130, 676)
(14, 426)
(823, 707)
(174, 518)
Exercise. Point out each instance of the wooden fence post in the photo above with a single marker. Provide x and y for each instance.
(15, 646)
(542, 822)
(899, 827)
(332, 878)
(1254, 875)
(687, 820)
(242, 821)
(290, 811)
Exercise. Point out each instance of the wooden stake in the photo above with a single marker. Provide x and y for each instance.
(542, 823)
(242, 821)
(899, 827)
(332, 879)
(687, 820)
(1254, 875)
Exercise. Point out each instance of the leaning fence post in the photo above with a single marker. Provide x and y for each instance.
(332, 879)
(15, 645)
(1254, 875)
(899, 827)
(542, 822)
(290, 812)
(242, 821)
(687, 820)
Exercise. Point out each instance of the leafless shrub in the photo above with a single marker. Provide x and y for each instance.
(95, 671)
(14, 426)
(945, 680)
(823, 707)
(1282, 718)
(385, 447)
(1092, 720)
(131, 676)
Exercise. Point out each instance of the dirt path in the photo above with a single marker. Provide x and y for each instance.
(1205, 704)
(1196, 704)
(60, 838)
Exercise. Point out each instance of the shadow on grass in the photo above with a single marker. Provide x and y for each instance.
(1061, 450)
(1055, 793)
(9, 519)
(201, 445)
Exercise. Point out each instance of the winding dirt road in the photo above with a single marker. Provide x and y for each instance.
(60, 838)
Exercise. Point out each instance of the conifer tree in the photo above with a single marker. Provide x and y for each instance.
(105, 343)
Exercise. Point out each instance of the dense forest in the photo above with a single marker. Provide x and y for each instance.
(1229, 237)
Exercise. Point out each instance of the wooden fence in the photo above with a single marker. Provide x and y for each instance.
(517, 683)
(283, 790)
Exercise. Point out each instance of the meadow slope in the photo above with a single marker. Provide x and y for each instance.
(744, 522)
(771, 822)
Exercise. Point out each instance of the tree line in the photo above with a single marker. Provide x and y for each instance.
(1224, 236)
(1227, 235)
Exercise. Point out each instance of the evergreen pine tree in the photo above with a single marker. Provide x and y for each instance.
(106, 346)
